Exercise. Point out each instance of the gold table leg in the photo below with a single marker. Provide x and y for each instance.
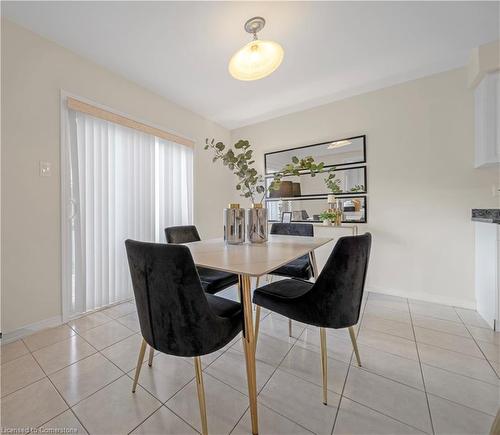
(249, 348)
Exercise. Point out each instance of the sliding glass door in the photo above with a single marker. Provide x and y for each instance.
(121, 183)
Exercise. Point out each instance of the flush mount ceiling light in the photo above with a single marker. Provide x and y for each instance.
(257, 59)
(339, 144)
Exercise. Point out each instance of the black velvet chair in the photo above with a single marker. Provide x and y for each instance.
(333, 301)
(301, 267)
(176, 315)
(213, 281)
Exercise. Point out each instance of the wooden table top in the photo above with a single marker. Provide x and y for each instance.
(254, 259)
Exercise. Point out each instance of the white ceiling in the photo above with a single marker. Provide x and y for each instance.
(332, 49)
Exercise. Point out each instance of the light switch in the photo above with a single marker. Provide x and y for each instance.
(45, 169)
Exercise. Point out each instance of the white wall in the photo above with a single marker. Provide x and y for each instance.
(421, 180)
(34, 71)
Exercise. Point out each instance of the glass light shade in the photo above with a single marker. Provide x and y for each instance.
(256, 60)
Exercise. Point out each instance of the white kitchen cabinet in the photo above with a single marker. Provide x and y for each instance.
(487, 282)
(487, 124)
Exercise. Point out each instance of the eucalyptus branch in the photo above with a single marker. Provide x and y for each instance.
(241, 164)
(250, 183)
(294, 168)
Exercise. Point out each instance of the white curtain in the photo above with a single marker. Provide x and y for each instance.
(124, 184)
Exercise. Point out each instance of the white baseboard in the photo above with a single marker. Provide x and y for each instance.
(49, 323)
(30, 329)
(426, 297)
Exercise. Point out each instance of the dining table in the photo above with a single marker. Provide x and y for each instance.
(249, 260)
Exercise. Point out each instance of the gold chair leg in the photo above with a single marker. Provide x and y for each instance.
(290, 327)
(151, 355)
(257, 324)
(201, 395)
(354, 344)
(324, 364)
(139, 364)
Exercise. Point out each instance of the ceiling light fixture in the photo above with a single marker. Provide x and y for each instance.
(339, 144)
(257, 59)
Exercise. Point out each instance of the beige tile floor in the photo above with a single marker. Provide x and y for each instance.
(427, 368)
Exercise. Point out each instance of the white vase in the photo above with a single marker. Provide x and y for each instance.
(327, 222)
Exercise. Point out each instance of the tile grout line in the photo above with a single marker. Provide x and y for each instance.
(360, 321)
(60, 395)
(427, 344)
(479, 347)
(421, 372)
(460, 374)
(164, 403)
(70, 407)
(270, 377)
(277, 367)
(461, 404)
(386, 415)
(177, 415)
(109, 383)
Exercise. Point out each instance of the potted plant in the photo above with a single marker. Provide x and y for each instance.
(251, 184)
(331, 216)
(327, 217)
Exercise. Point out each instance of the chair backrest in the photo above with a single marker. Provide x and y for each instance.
(182, 234)
(292, 229)
(174, 314)
(337, 293)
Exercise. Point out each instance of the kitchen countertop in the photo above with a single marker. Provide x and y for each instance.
(488, 215)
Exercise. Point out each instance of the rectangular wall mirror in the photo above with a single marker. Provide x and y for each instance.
(350, 180)
(308, 209)
(333, 153)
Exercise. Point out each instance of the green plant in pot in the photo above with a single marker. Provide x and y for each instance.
(327, 217)
(330, 216)
(252, 185)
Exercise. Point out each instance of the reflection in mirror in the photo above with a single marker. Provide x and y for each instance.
(336, 153)
(351, 180)
(308, 209)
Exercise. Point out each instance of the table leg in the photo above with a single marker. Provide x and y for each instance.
(249, 348)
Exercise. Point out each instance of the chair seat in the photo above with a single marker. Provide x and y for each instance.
(214, 281)
(280, 297)
(299, 268)
(223, 307)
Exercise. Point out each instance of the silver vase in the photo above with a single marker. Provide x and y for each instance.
(234, 224)
(257, 224)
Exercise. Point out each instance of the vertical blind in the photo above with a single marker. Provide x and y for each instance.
(124, 184)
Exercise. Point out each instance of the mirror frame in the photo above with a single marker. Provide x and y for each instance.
(317, 144)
